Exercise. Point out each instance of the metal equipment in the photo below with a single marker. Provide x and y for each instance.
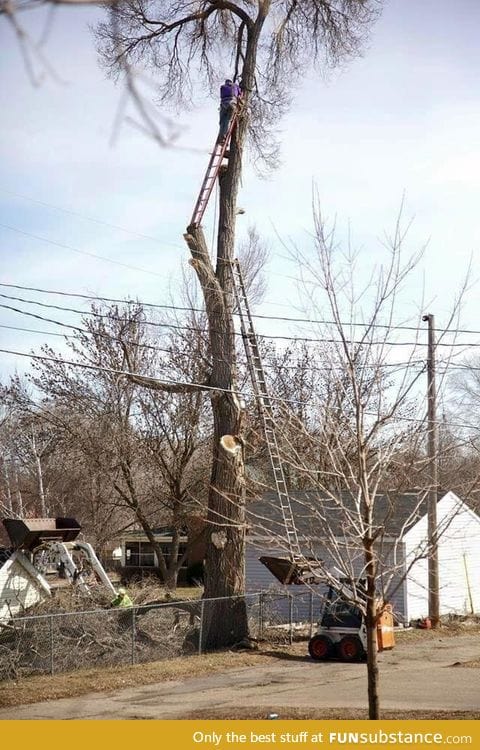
(259, 384)
(342, 632)
(44, 548)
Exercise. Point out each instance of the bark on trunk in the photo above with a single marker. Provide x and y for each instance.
(371, 623)
(8, 493)
(225, 621)
(170, 581)
(39, 473)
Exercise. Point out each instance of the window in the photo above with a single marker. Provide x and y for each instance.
(139, 555)
(339, 613)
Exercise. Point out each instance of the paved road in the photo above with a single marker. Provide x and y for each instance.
(417, 676)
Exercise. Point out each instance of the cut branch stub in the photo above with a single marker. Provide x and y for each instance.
(232, 444)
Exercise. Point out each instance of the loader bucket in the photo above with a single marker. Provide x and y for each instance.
(29, 533)
(290, 571)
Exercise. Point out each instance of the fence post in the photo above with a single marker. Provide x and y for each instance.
(311, 613)
(134, 629)
(290, 617)
(52, 659)
(200, 634)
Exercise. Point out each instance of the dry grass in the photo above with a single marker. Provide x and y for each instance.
(47, 687)
(448, 628)
(36, 689)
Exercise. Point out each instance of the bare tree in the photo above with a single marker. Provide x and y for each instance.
(268, 44)
(30, 444)
(136, 454)
(9, 486)
(371, 427)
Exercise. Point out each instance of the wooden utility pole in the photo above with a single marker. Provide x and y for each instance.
(433, 578)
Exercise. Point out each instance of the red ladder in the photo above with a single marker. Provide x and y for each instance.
(212, 173)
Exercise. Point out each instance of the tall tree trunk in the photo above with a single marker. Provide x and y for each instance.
(39, 473)
(225, 622)
(8, 491)
(170, 581)
(371, 623)
(18, 492)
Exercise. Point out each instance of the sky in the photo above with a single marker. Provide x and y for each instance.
(400, 123)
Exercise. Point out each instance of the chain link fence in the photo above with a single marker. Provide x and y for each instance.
(64, 642)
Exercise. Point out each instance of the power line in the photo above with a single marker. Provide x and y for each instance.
(281, 318)
(173, 326)
(78, 329)
(86, 313)
(101, 222)
(101, 299)
(272, 337)
(161, 381)
(81, 252)
(206, 387)
(397, 365)
(32, 330)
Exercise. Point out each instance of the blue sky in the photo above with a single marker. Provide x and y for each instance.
(404, 119)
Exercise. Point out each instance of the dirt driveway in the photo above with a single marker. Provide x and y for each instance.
(430, 675)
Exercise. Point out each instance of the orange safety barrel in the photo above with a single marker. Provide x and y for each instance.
(385, 632)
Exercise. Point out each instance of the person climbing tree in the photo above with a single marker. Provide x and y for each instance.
(230, 93)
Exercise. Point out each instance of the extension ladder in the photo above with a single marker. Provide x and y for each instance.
(260, 389)
(211, 174)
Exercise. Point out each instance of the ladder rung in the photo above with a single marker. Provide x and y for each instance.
(265, 405)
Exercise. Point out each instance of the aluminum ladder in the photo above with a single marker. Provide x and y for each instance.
(260, 389)
(216, 158)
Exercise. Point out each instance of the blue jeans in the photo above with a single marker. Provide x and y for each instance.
(226, 112)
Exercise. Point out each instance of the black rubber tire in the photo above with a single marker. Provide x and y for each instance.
(350, 648)
(320, 647)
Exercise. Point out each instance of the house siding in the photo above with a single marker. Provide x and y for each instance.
(308, 599)
(458, 558)
(306, 603)
(19, 589)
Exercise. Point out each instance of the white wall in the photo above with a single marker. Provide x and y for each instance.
(458, 557)
(21, 586)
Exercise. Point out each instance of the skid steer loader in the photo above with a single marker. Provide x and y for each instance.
(342, 631)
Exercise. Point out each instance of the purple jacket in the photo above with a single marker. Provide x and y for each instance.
(229, 91)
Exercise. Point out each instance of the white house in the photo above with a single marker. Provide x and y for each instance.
(458, 560)
(403, 524)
